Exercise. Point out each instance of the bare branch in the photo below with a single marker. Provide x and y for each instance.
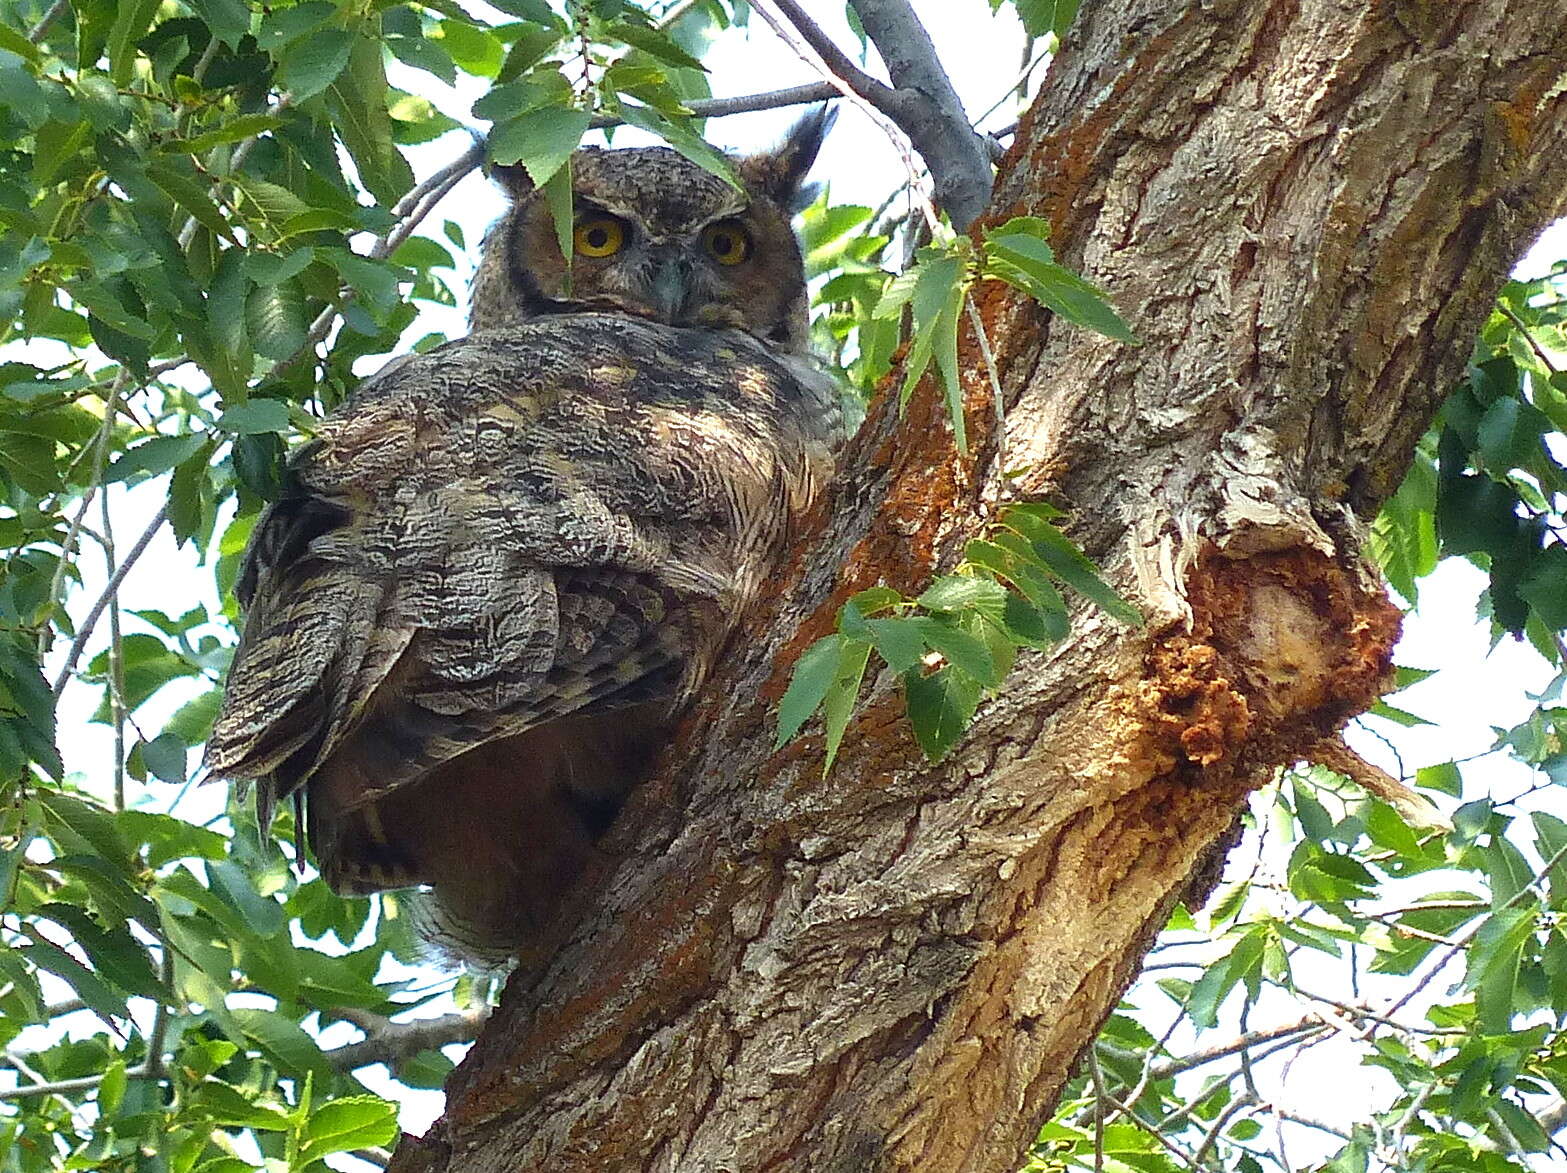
(84, 632)
(1305, 1026)
(932, 114)
(36, 33)
(386, 1041)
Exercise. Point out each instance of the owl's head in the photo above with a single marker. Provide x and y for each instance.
(657, 236)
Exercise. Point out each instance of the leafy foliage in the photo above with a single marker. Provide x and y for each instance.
(207, 212)
(957, 640)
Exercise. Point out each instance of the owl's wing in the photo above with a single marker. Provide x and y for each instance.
(479, 544)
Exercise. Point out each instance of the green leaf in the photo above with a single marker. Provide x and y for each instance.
(275, 319)
(535, 10)
(1492, 966)
(682, 138)
(814, 674)
(655, 44)
(1055, 550)
(230, 881)
(1027, 263)
(960, 649)
(27, 710)
(940, 707)
(310, 64)
(230, 130)
(92, 989)
(838, 704)
(965, 592)
(1444, 778)
(1244, 964)
(357, 99)
(131, 18)
(559, 199)
(474, 50)
(532, 46)
(1510, 435)
(1544, 586)
(347, 1123)
(284, 1042)
(936, 292)
(229, 20)
(897, 640)
(165, 758)
(541, 140)
(1550, 838)
(152, 457)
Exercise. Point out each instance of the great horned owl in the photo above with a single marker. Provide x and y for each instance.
(502, 566)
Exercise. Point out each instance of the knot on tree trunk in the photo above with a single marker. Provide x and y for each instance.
(1281, 649)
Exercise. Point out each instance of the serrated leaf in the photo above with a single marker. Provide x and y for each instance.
(1444, 778)
(154, 456)
(254, 416)
(541, 140)
(838, 703)
(655, 44)
(532, 46)
(558, 198)
(131, 18)
(357, 99)
(683, 139)
(1068, 563)
(191, 197)
(284, 1042)
(275, 317)
(940, 707)
(310, 64)
(960, 649)
(1027, 263)
(165, 758)
(474, 50)
(347, 1123)
(813, 675)
(230, 130)
(965, 592)
(897, 640)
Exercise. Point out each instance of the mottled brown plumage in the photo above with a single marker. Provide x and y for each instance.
(503, 565)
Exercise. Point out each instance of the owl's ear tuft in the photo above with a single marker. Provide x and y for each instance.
(780, 173)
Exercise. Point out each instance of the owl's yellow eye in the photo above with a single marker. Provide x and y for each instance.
(598, 236)
(727, 242)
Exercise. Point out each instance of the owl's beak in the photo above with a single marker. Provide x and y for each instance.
(670, 290)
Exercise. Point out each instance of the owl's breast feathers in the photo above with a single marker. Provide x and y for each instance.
(524, 530)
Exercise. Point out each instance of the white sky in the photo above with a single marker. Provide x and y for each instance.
(1476, 690)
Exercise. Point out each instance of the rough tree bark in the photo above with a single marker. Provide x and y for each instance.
(1304, 207)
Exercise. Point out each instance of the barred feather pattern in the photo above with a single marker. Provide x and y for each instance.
(497, 573)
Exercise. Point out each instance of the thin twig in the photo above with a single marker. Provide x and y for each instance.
(56, 10)
(1097, 1078)
(801, 95)
(386, 1041)
(878, 93)
(1523, 328)
(116, 658)
(84, 632)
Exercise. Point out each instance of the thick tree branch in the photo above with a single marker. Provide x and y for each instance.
(921, 101)
(958, 157)
(1305, 211)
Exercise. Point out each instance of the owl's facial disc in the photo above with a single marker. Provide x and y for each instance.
(661, 238)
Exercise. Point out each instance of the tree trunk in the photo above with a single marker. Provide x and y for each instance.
(1305, 210)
